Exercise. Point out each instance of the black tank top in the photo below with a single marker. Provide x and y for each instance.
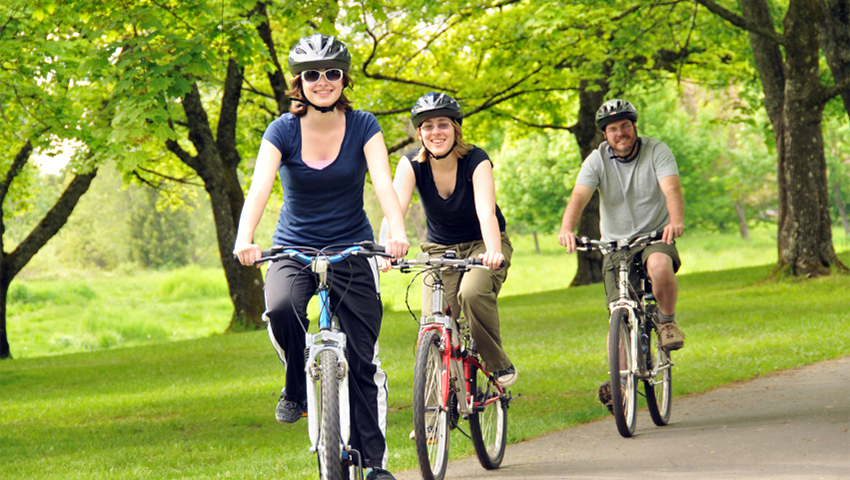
(452, 220)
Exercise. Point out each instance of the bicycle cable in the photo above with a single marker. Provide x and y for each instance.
(407, 292)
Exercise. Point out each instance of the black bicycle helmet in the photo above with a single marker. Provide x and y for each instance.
(318, 52)
(435, 105)
(614, 110)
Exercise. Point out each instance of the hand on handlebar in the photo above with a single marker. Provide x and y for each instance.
(397, 247)
(247, 253)
(385, 264)
(492, 260)
(568, 239)
(671, 232)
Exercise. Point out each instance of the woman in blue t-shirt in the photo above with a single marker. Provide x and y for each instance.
(322, 150)
(456, 187)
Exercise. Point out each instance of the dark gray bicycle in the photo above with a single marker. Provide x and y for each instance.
(632, 338)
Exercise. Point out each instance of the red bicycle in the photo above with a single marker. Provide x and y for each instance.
(449, 383)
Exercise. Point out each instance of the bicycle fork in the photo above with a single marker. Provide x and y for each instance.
(328, 338)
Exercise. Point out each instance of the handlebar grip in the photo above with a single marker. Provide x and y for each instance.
(476, 261)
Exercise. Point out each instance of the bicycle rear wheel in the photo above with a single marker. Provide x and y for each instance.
(330, 449)
(623, 387)
(659, 389)
(488, 424)
(430, 418)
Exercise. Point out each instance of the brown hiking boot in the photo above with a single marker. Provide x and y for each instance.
(670, 337)
(604, 395)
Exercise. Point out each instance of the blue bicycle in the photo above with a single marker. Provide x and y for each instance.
(326, 363)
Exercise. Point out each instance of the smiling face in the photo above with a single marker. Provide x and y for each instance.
(621, 135)
(322, 93)
(437, 135)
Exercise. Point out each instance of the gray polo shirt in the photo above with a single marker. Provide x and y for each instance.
(631, 201)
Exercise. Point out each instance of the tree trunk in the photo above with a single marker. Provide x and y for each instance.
(806, 248)
(536, 242)
(841, 211)
(742, 219)
(216, 163)
(12, 263)
(794, 100)
(835, 43)
(589, 137)
(5, 351)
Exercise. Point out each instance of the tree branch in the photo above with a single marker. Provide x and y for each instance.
(183, 155)
(530, 124)
(379, 76)
(391, 112)
(52, 222)
(829, 92)
(167, 177)
(226, 131)
(277, 80)
(15, 169)
(742, 22)
(398, 146)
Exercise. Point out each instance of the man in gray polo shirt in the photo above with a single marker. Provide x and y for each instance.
(639, 193)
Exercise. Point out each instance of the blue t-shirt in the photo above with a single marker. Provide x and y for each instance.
(322, 207)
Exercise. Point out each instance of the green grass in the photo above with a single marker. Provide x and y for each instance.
(91, 311)
(97, 311)
(203, 408)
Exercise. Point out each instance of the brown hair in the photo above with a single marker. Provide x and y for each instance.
(461, 149)
(300, 109)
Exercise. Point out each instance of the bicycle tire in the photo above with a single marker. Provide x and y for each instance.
(330, 449)
(430, 416)
(623, 393)
(659, 397)
(488, 425)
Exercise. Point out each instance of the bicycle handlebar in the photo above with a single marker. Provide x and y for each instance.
(307, 254)
(586, 244)
(444, 261)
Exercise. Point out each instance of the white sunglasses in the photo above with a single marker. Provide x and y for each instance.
(332, 75)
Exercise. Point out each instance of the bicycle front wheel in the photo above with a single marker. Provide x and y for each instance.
(488, 424)
(620, 363)
(659, 389)
(330, 450)
(430, 418)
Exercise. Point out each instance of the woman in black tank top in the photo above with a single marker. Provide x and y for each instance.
(456, 186)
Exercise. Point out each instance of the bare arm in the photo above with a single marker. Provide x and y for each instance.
(403, 184)
(672, 188)
(484, 191)
(379, 169)
(265, 173)
(578, 200)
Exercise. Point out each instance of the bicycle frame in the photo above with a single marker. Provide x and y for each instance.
(452, 336)
(328, 338)
(635, 305)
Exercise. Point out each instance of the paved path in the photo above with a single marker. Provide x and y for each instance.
(788, 425)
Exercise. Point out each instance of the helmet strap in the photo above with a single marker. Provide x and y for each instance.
(321, 109)
(441, 156)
